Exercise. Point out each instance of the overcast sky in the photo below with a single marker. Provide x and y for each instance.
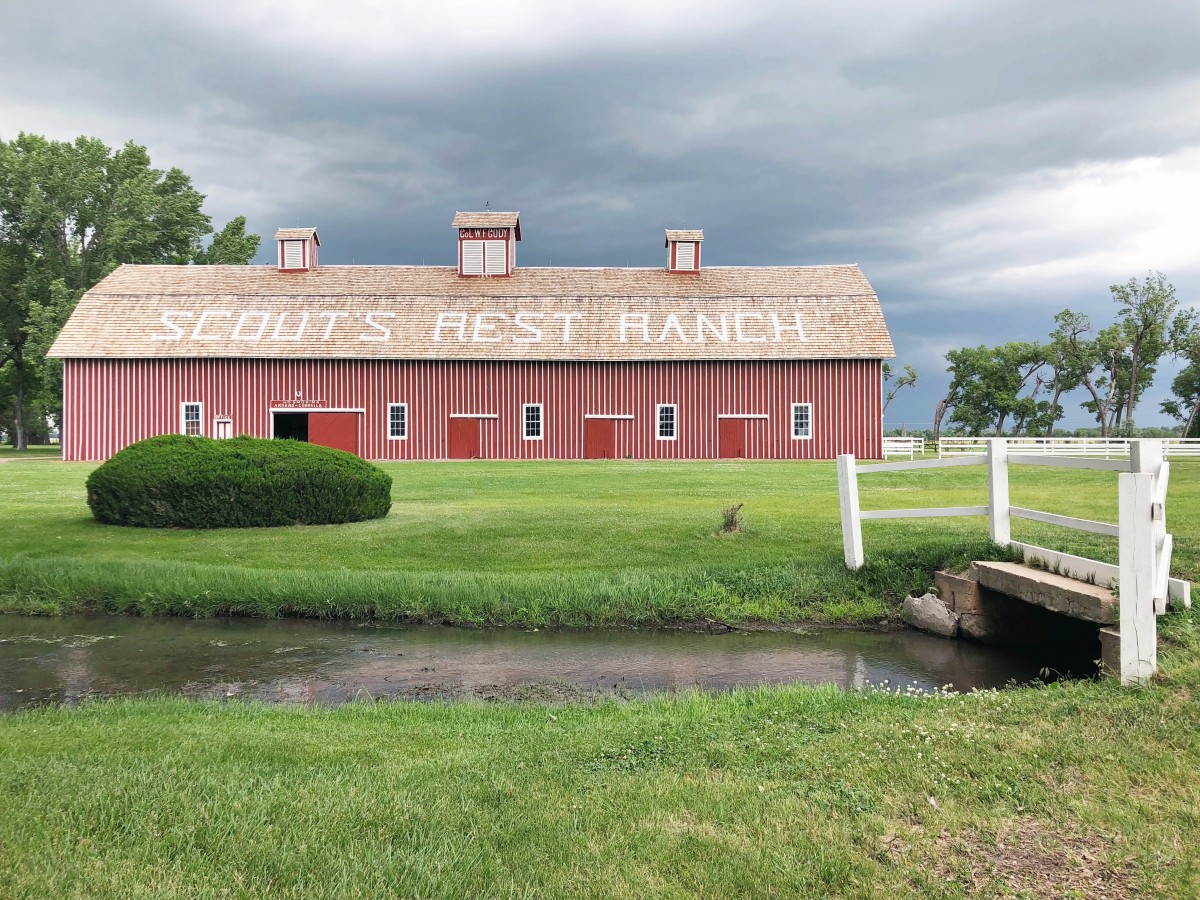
(987, 164)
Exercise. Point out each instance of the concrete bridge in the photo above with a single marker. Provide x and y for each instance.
(1011, 604)
(1143, 572)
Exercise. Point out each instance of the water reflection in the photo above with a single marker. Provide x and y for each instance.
(297, 661)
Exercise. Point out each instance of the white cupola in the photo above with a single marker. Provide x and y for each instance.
(297, 249)
(487, 242)
(683, 251)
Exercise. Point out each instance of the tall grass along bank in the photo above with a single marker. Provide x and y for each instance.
(577, 543)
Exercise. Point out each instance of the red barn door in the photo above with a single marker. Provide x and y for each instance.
(337, 430)
(598, 438)
(464, 439)
(731, 438)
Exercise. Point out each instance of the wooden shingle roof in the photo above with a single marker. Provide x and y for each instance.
(429, 312)
(297, 234)
(488, 219)
(676, 234)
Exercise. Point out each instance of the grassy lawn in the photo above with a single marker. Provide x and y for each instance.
(34, 451)
(1074, 790)
(573, 543)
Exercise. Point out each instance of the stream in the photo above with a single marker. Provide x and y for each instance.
(71, 659)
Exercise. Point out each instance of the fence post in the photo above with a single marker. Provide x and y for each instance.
(852, 542)
(999, 522)
(1145, 455)
(1139, 641)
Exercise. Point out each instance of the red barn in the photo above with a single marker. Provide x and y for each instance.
(484, 360)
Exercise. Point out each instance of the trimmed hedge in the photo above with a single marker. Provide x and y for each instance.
(173, 481)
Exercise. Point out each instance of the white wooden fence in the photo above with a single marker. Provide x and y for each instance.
(1145, 546)
(1109, 448)
(903, 446)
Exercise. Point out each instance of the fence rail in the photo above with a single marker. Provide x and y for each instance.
(1145, 546)
(901, 446)
(1109, 448)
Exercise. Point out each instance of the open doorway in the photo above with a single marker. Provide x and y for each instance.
(290, 425)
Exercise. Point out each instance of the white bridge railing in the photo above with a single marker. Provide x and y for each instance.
(903, 446)
(1145, 546)
(1109, 448)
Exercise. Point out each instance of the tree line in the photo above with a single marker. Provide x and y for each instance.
(1018, 388)
(70, 213)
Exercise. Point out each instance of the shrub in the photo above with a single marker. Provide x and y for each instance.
(731, 519)
(173, 481)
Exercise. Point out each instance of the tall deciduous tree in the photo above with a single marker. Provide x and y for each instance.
(1145, 315)
(70, 213)
(1185, 405)
(988, 385)
(893, 383)
(230, 246)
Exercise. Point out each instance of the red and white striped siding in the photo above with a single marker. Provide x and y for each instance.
(112, 403)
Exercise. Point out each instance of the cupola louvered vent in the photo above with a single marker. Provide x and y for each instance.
(683, 251)
(297, 249)
(472, 257)
(487, 242)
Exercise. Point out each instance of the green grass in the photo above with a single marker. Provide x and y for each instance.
(35, 451)
(573, 543)
(1073, 790)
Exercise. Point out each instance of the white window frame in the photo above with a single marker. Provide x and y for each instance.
(658, 408)
(217, 429)
(388, 422)
(541, 408)
(199, 420)
(792, 422)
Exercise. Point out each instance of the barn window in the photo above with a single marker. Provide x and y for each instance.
(397, 421)
(801, 421)
(222, 428)
(531, 415)
(666, 415)
(191, 419)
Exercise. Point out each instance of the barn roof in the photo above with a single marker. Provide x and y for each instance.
(429, 312)
(297, 234)
(488, 219)
(678, 234)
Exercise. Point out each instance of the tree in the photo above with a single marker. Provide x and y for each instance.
(1095, 362)
(1063, 359)
(70, 213)
(986, 388)
(1185, 405)
(1144, 319)
(231, 246)
(907, 379)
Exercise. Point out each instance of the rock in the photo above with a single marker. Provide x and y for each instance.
(985, 629)
(929, 613)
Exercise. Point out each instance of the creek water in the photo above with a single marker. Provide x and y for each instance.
(75, 658)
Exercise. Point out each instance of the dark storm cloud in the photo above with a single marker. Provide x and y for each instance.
(905, 137)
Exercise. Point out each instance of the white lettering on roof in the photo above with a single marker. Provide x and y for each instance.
(490, 327)
(385, 333)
